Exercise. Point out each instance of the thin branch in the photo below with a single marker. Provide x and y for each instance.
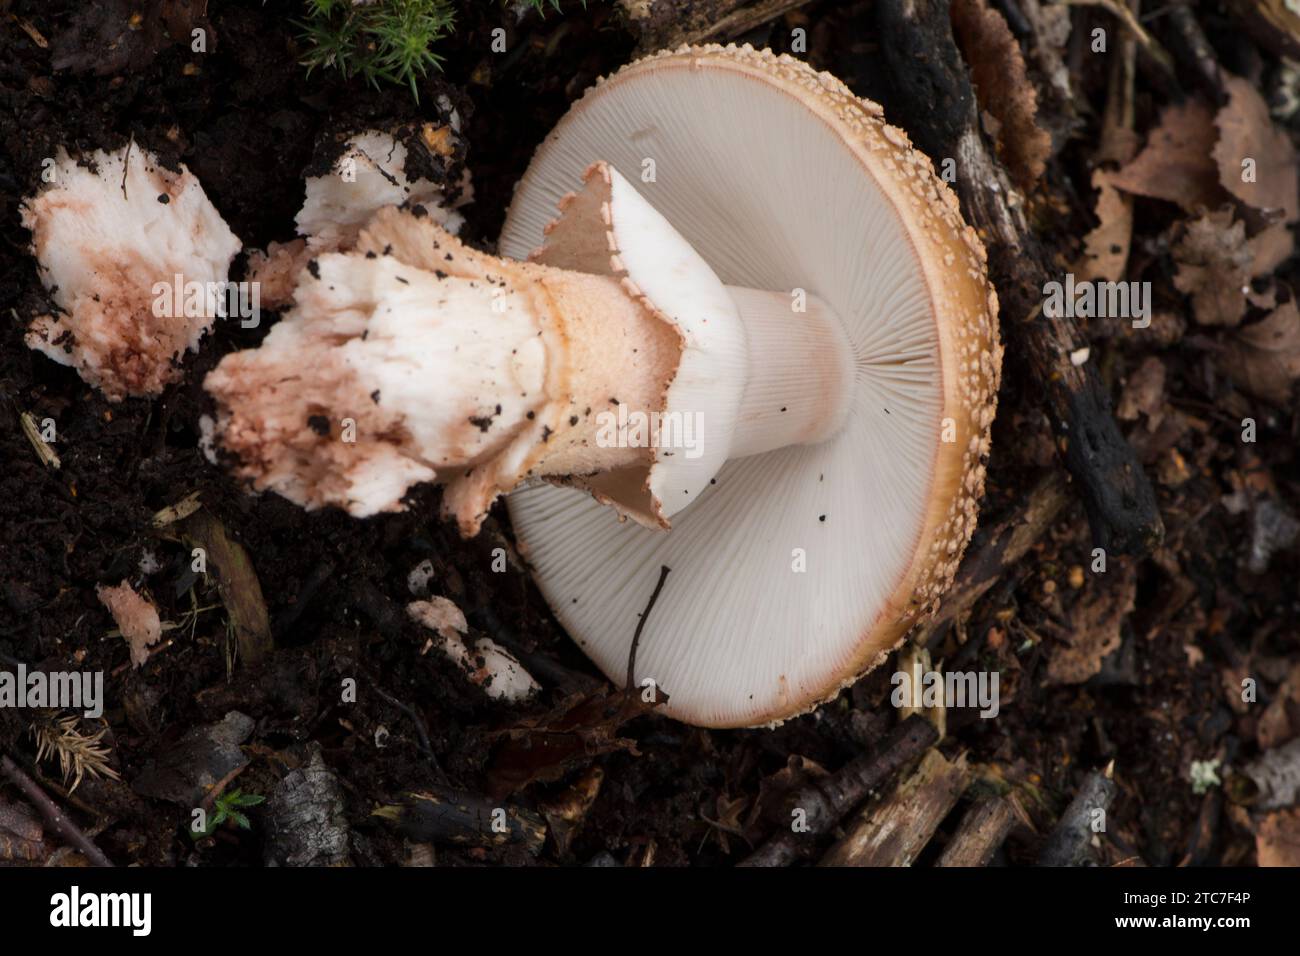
(54, 816)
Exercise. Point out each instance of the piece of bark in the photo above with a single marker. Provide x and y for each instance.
(1070, 842)
(190, 770)
(996, 549)
(826, 800)
(979, 834)
(931, 88)
(306, 820)
(896, 830)
(241, 593)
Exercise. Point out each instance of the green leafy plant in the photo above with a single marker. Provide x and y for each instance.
(227, 807)
(384, 40)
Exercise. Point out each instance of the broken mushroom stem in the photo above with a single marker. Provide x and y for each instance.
(582, 367)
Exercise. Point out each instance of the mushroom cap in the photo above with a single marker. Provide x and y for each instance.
(801, 568)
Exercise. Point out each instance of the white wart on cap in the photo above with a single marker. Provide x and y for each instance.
(814, 549)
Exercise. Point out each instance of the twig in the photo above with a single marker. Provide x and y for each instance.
(43, 451)
(640, 625)
(670, 23)
(895, 831)
(1069, 843)
(1193, 48)
(1121, 12)
(54, 816)
(979, 834)
(824, 802)
(425, 746)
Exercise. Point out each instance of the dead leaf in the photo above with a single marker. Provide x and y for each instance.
(1096, 620)
(1144, 394)
(1176, 164)
(1002, 88)
(1256, 160)
(545, 748)
(1213, 263)
(1277, 839)
(1270, 248)
(1279, 722)
(1106, 247)
(1264, 358)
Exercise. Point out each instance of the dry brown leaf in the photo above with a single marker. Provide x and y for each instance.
(1002, 88)
(1096, 620)
(1264, 358)
(1144, 394)
(1277, 839)
(1247, 133)
(1213, 262)
(1106, 247)
(1271, 248)
(1176, 164)
(1277, 724)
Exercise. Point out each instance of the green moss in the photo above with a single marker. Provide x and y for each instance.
(389, 41)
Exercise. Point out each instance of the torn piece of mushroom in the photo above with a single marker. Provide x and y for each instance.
(488, 665)
(368, 174)
(804, 565)
(136, 259)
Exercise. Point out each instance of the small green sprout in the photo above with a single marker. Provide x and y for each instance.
(227, 807)
(1204, 774)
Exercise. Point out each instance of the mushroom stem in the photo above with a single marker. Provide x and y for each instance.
(616, 362)
(800, 371)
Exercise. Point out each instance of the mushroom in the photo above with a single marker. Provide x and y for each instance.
(777, 355)
(135, 258)
(488, 665)
(368, 174)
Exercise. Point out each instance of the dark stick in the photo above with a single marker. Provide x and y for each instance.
(462, 818)
(825, 802)
(54, 816)
(932, 93)
(645, 616)
(1069, 843)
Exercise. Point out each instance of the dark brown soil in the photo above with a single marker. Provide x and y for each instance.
(248, 124)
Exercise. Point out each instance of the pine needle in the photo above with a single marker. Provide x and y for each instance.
(79, 754)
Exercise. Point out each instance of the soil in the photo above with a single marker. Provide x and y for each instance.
(248, 122)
